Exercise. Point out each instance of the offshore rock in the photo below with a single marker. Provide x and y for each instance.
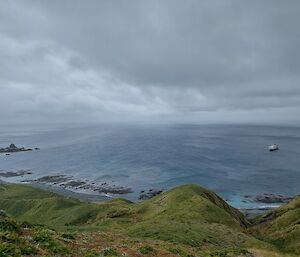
(12, 148)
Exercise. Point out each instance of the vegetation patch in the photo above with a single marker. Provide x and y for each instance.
(146, 249)
(9, 250)
(110, 252)
(92, 253)
(18, 239)
(229, 253)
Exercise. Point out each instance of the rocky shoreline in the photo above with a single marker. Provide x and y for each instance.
(78, 187)
(67, 182)
(269, 198)
(270, 201)
(147, 194)
(10, 174)
(71, 183)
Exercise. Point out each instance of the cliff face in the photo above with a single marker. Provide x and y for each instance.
(185, 221)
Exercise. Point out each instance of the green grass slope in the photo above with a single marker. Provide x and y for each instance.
(281, 226)
(25, 239)
(187, 214)
(39, 206)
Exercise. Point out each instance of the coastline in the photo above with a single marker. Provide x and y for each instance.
(86, 197)
(97, 198)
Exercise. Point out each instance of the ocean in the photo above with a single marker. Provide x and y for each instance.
(232, 160)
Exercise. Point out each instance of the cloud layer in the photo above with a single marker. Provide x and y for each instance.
(149, 60)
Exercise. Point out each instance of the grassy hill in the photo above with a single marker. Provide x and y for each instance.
(281, 226)
(185, 221)
(191, 215)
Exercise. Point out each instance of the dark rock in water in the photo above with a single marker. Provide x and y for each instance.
(52, 179)
(75, 183)
(9, 174)
(151, 193)
(36, 148)
(7, 154)
(113, 190)
(269, 198)
(68, 182)
(12, 148)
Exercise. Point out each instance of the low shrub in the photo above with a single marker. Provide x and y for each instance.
(68, 236)
(46, 240)
(228, 253)
(42, 236)
(92, 253)
(8, 224)
(9, 250)
(10, 238)
(110, 252)
(29, 250)
(55, 247)
(146, 249)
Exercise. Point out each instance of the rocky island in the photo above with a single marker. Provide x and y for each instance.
(12, 148)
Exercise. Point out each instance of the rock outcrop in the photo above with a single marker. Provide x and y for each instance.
(12, 148)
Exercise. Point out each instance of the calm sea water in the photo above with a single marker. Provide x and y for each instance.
(231, 160)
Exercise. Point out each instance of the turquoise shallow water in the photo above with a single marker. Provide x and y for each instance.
(232, 160)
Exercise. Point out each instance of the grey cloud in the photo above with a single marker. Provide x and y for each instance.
(141, 59)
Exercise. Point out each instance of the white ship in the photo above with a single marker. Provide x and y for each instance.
(273, 147)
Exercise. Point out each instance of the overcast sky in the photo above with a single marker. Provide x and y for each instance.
(158, 60)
